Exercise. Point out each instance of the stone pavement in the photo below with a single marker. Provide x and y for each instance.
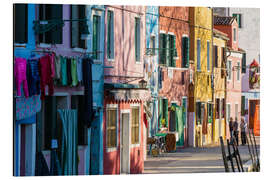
(192, 160)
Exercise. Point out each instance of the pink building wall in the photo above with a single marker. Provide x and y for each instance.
(124, 63)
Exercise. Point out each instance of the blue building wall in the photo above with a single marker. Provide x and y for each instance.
(24, 52)
(152, 29)
(96, 157)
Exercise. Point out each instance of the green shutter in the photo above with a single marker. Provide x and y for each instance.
(243, 105)
(174, 51)
(82, 15)
(167, 59)
(244, 63)
(160, 115)
(74, 32)
(239, 18)
(95, 19)
(109, 34)
(183, 51)
(137, 39)
(162, 51)
(165, 110)
(187, 51)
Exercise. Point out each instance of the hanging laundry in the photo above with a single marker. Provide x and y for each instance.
(52, 57)
(69, 77)
(57, 62)
(74, 72)
(79, 70)
(87, 81)
(20, 76)
(63, 70)
(33, 77)
(46, 75)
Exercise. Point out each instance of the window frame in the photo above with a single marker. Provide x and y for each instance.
(79, 46)
(135, 106)
(96, 56)
(25, 41)
(234, 35)
(229, 70)
(137, 40)
(110, 33)
(108, 108)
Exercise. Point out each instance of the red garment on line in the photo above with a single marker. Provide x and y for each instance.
(20, 76)
(47, 72)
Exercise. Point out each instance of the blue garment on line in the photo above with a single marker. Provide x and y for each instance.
(33, 77)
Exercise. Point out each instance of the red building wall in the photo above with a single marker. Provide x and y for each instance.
(111, 160)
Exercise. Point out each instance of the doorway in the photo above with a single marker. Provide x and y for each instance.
(125, 142)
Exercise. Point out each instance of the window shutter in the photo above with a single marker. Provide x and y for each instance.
(208, 54)
(95, 20)
(243, 105)
(183, 52)
(183, 78)
(216, 56)
(244, 63)
(239, 18)
(198, 54)
(187, 46)
(82, 15)
(21, 22)
(174, 51)
(162, 51)
(160, 115)
(165, 110)
(137, 39)
(54, 11)
(74, 33)
(167, 47)
(110, 34)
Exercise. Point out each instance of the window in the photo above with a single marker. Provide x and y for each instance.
(135, 126)
(228, 112)
(137, 39)
(21, 22)
(217, 108)
(163, 112)
(238, 71)
(77, 102)
(244, 63)
(183, 78)
(238, 19)
(223, 108)
(198, 54)
(234, 34)
(49, 12)
(242, 105)
(216, 56)
(77, 12)
(111, 128)
(208, 56)
(210, 112)
(163, 48)
(229, 67)
(110, 35)
(236, 112)
(172, 50)
(96, 36)
(153, 45)
(185, 52)
(198, 112)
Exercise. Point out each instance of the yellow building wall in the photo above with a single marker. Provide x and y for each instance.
(219, 90)
(201, 28)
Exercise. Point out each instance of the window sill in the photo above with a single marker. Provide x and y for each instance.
(111, 149)
(20, 45)
(43, 45)
(175, 57)
(81, 50)
(96, 61)
(134, 145)
(110, 60)
(138, 62)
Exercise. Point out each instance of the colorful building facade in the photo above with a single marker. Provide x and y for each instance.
(219, 91)
(234, 54)
(124, 90)
(201, 55)
(174, 39)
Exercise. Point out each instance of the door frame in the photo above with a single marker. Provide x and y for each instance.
(123, 111)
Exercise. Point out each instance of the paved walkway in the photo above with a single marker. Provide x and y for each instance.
(192, 160)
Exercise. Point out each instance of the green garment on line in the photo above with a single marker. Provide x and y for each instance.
(63, 71)
(74, 72)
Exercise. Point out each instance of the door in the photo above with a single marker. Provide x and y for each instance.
(125, 141)
(257, 119)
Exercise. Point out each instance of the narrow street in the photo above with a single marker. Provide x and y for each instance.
(192, 160)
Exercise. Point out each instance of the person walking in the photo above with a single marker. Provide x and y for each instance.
(231, 126)
(235, 131)
(243, 127)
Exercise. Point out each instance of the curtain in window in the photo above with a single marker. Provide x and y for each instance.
(69, 154)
